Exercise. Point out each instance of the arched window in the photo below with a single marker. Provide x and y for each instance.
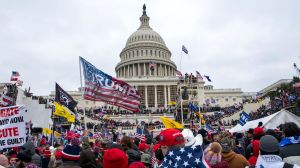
(150, 52)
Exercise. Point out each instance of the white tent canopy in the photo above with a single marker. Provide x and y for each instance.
(269, 122)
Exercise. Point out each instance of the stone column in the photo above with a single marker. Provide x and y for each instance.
(139, 70)
(133, 70)
(144, 69)
(127, 70)
(160, 70)
(146, 97)
(165, 74)
(155, 70)
(170, 71)
(169, 93)
(165, 96)
(155, 96)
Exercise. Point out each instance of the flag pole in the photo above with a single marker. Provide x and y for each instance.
(80, 71)
(180, 59)
(181, 105)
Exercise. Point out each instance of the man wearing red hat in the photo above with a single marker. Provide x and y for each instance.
(252, 150)
(169, 139)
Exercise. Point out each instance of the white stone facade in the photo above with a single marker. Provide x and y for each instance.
(157, 84)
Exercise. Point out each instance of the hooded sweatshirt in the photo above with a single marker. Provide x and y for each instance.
(36, 159)
(87, 157)
(235, 160)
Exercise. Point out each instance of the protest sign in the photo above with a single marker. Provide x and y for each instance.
(12, 126)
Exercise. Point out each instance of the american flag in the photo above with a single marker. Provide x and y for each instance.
(153, 160)
(100, 86)
(184, 49)
(140, 134)
(178, 73)
(141, 137)
(198, 75)
(152, 64)
(209, 129)
(6, 101)
(191, 156)
(15, 76)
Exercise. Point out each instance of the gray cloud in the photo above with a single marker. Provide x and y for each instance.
(240, 44)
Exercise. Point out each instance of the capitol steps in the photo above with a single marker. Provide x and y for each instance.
(248, 107)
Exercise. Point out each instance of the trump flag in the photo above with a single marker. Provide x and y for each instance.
(100, 86)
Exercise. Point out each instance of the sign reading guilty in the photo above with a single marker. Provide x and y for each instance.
(12, 126)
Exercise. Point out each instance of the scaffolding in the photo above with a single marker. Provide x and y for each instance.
(190, 90)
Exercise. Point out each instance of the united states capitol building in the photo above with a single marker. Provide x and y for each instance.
(146, 63)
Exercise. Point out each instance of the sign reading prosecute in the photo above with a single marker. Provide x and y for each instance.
(12, 126)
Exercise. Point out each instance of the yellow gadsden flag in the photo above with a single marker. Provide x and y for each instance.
(171, 123)
(47, 131)
(63, 111)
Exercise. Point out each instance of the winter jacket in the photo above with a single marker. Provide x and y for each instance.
(235, 160)
(291, 154)
(36, 159)
(87, 157)
(133, 156)
(272, 161)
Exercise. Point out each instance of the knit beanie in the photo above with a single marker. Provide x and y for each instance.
(4, 161)
(71, 153)
(115, 158)
(213, 154)
(268, 143)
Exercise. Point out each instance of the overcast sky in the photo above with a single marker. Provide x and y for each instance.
(239, 44)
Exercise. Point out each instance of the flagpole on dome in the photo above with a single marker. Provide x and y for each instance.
(81, 89)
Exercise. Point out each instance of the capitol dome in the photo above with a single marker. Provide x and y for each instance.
(145, 54)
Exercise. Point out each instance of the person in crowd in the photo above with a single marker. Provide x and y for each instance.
(46, 157)
(143, 147)
(28, 147)
(176, 154)
(137, 165)
(115, 158)
(290, 144)
(239, 144)
(146, 160)
(269, 154)
(56, 159)
(204, 134)
(234, 160)
(70, 154)
(252, 150)
(169, 139)
(249, 137)
(24, 160)
(213, 156)
(133, 155)
(3, 161)
(87, 156)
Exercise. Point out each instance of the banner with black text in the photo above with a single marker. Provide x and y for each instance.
(12, 126)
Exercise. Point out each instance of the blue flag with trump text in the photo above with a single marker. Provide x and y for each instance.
(100, 86)
(244, 118)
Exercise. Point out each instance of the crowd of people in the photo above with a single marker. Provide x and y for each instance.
(172, 147)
